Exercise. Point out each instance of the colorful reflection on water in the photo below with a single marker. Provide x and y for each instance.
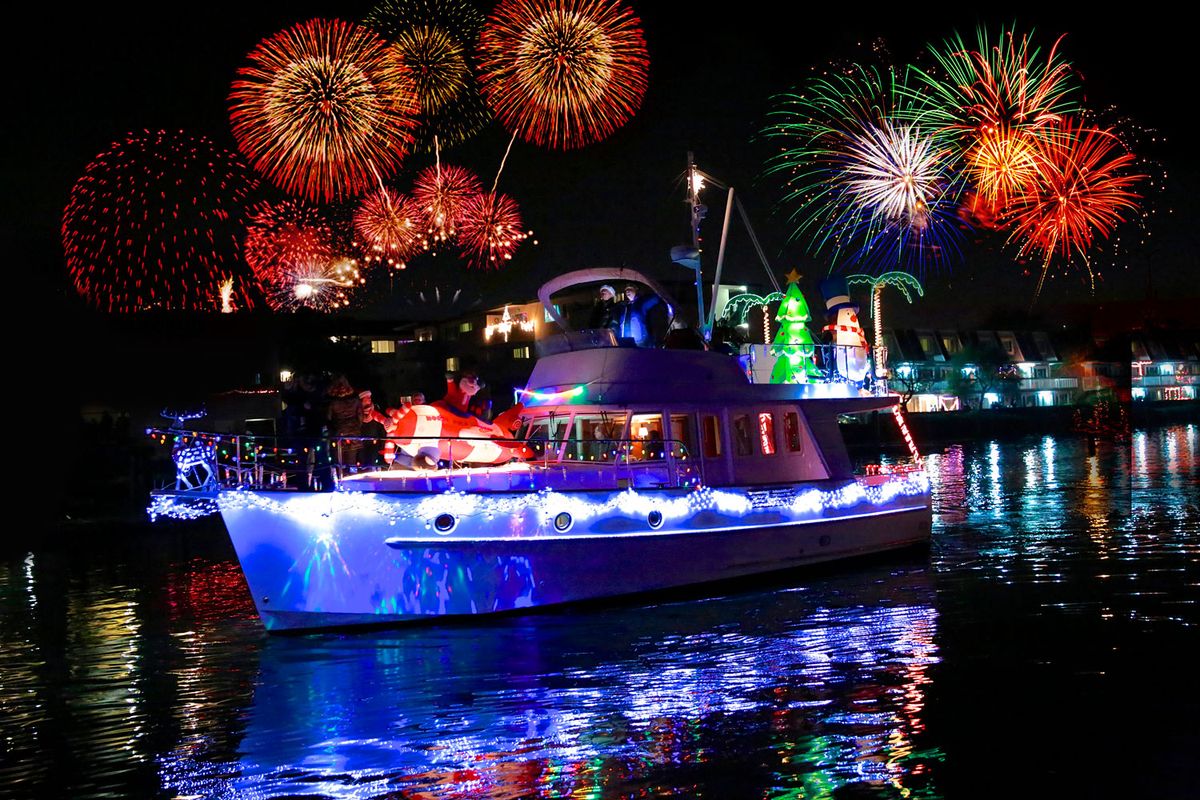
(1046, 622)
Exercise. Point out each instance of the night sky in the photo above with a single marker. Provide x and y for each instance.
(93, 75)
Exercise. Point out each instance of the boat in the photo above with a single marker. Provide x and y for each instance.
(648, 469)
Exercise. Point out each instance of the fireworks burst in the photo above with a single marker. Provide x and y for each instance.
(997, 87)
(490, 230)
(997, 100)
(1001, 167)
(150, 224)
(391, 226)
(319, 285)
(894, 172)
(1083, 191)
(282, 236)
(442, 192)
(563, 73)
(867, 183)
(324, 109)
(433, 38)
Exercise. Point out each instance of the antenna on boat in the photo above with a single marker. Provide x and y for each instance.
(690, 257)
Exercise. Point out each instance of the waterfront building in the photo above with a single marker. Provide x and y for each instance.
(1165, 365)
(950, 370)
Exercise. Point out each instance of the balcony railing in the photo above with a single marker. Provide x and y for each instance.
(1167, 380)
(1041, 384)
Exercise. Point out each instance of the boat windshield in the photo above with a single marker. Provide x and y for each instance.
(595, 437)
(545, 436)
(634, 313)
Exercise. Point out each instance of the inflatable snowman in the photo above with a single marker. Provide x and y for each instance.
(849, 341)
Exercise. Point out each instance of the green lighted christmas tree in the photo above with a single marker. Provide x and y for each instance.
(793, 344)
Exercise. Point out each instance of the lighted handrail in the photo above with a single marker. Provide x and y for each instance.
(260, 461)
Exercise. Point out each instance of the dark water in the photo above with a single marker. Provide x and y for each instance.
(1046, 646)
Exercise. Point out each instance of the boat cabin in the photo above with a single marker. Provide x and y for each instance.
(594, 402)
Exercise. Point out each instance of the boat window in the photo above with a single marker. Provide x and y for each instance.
(646, 438)
(683, 431)
(791, 432)
(712, 436)
(742, 437)
(595, 437)
(543, 431)
(766, 433)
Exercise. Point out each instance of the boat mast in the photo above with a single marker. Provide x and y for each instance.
(699, 211)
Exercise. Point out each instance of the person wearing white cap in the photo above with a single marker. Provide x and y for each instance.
(602, 309)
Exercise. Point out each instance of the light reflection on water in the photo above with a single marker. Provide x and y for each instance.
(1055, 574)
(535, 709)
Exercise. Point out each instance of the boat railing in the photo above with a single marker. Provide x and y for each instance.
(820, 363)
(206, 462)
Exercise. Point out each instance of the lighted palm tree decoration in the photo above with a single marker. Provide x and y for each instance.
(906, 283)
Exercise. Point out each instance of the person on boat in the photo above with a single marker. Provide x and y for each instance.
(630, 316)
(307, 403)
(345, 421)
(604, 308)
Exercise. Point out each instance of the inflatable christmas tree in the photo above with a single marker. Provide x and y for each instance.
(793, 344)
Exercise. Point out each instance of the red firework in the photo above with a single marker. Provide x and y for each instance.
(563, 73)
(490, 230)
(1081, 192)
(284, 236)
(391, 226)
(442, 192)
(151, 224)
(324, 109)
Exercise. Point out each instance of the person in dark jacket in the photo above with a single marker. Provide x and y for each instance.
(631, 315)
(345, 420)
(603, 308)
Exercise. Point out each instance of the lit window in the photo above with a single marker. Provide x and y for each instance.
(766, 433)
(383, 346)
(596, 437)
(646, 433)
(521, 352)
(452, 364)
(466, 327)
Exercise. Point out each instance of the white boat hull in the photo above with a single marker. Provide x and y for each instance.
(347, 558)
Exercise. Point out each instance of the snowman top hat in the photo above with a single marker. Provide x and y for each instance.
(837, 295)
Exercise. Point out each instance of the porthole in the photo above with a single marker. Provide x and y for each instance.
(563, 522)
(655, 519)
(445, 523)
